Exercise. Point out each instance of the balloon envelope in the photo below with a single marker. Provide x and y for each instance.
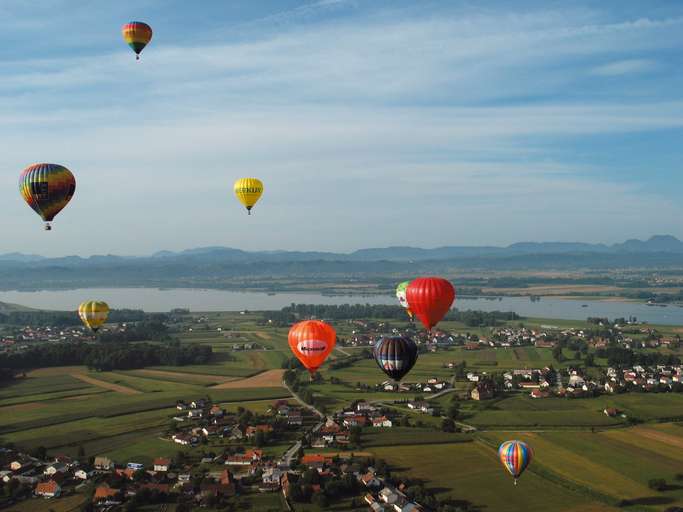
(93, 313)
(137, 35)
(401, 296)
(429, 299)
(248, 191)
(395, 355)
(515, 456)
(47, 188)
(311, 341)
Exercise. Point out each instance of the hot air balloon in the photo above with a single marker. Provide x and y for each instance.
(515, 456)
(93, 314)
(137, 35)
(429, 299)
(47, 188)
(401, 296)
(248, 191)
(395, 355)
(311, 342)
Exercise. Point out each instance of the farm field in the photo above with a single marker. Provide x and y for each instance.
(616, 464)
(471, 471)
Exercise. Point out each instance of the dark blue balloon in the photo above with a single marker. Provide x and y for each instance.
(395, 355)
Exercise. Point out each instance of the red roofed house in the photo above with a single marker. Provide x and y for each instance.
(316, 461)
(104, 494)
(162, 464)
(162, 488)
(49, 489)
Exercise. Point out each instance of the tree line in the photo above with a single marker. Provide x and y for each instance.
(39, 318)
(623, 357)
(295, 312)
(106, 357)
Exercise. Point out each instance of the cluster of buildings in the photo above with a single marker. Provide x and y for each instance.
(113, 484)
(200, 420)
(642, 378)
(383, 497)
(22, 337)
(432, 385)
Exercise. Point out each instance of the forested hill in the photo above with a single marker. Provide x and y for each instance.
(220, 267)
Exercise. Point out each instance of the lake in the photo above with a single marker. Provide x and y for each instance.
(154, 300)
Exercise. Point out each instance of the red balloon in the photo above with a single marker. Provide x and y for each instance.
(429, 299)
(311, 342)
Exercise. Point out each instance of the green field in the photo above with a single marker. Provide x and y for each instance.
(471, 471)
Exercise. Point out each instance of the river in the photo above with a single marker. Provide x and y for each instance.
(153, 299)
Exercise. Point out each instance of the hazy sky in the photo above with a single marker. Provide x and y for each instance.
(371, 123)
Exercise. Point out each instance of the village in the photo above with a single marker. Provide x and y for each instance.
(222, 455)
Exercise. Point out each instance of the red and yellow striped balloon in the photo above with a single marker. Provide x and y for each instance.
(47, 188)
(137, 35)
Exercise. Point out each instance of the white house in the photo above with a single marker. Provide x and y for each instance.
(82, 474)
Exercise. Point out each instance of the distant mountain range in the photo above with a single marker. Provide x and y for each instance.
(224, 267)
(656, 244)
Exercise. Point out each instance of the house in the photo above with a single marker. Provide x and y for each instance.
(162, 464)
(382, 421)
(103, 463)
(234, 433)
(611, 412)
(388, 496)
(271, 476)
(195, 414)
(211, 430)
(251, 431)
(198, 404)
(364, 407)
(357, 420)
(53, 469)
(184, 439)
(83, 474)
(295, 418)
(370, 481)
(49, 489)
(483, 391)
(576, 381)
(104, 495)
(216, 412)
(316, 461)
(537, 393)
(160, 488)
(21, 465)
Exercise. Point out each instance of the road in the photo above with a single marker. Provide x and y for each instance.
(292, 451)
(304, 404)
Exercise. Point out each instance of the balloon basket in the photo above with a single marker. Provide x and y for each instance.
(48, 227)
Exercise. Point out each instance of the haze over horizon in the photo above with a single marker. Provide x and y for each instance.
(372, 124)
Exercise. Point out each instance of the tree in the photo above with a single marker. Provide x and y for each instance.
(320, 500)
(295, 492)
(260, 438)
(81, 451)
(657, 484)
(448, 425)
(40, 453)
(310, 477)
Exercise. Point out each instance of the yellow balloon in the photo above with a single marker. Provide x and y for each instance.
(93, 313)
(248, 191)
